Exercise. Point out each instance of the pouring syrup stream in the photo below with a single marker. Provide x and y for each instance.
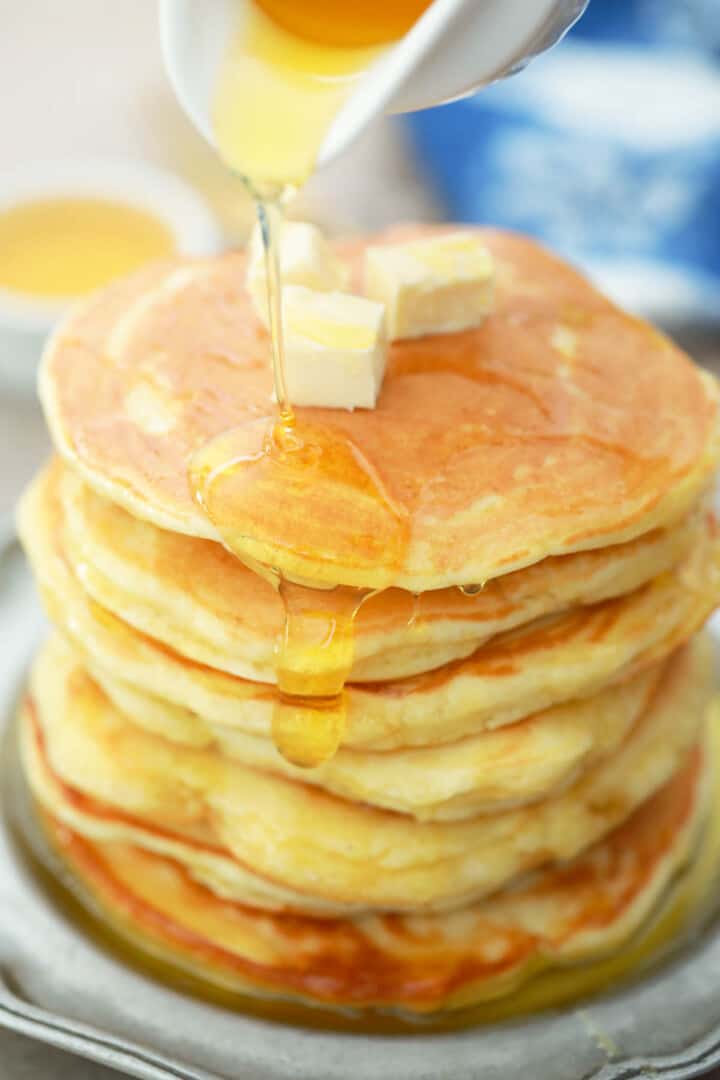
(297, 64)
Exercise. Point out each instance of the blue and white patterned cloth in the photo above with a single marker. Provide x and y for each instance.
(608, 148)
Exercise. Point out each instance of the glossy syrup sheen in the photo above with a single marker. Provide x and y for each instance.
(66, 247)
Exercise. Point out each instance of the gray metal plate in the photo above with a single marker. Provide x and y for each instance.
(55, 985)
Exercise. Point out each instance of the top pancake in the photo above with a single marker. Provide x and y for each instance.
(561, 424)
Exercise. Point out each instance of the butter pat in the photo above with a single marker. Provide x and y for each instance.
(335, 348)
(433, 286)
(306, 259)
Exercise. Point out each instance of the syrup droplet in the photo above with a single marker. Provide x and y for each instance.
(472, 590)
(315, 659)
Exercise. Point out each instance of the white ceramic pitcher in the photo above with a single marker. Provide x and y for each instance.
(454, 48)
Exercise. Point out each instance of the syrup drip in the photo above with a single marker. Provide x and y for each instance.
(415, 617)
(314, 662)
(250, 482)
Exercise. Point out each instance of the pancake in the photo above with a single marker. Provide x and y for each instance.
(418, 963)
(517, 674)
(253, 837)
(196, 597)
(488, 451)
(510, 766)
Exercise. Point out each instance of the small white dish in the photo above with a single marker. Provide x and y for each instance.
(26, 321)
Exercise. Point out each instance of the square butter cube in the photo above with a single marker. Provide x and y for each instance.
(434, 286)
(335, 348)
(306, 258)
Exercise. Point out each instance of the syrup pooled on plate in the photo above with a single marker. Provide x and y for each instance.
(297, 64)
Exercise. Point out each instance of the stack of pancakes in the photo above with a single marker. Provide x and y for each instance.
(524, 767)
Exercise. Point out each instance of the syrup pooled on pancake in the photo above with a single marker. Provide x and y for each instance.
(316, 650)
